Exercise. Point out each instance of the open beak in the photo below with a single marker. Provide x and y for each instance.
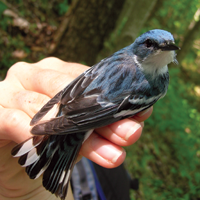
(169, 47)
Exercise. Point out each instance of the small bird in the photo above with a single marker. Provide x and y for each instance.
(129, 81)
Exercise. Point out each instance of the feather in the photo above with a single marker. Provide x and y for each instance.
(26, 146)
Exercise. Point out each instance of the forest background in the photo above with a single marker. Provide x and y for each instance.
(167, 157)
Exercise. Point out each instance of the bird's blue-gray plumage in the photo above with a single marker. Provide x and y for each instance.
(117, 87)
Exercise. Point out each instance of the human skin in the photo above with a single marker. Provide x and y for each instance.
(26, 88)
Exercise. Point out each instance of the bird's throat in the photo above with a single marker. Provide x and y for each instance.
(157, 64)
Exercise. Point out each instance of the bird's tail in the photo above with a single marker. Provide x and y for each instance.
(52, 156)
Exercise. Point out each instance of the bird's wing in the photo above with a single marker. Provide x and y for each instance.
(84, 118)
(65, 95)
(93, 99)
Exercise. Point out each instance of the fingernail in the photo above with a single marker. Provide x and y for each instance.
(143, 112)
(132, 130)
(106, 150)
(125, 128)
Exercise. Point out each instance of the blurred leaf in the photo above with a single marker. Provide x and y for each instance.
(2, 8)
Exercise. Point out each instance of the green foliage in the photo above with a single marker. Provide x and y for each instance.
(44, 10)
(174, 16)
(3, 21)
(63, 7)
(2, 8)
(166, 158)
(4, 55)
(13, 38)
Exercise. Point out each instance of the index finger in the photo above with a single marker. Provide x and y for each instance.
(61, 66)
(47, 77)
(145, 114)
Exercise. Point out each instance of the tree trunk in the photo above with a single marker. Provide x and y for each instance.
(131, 20)
(191, 35)
(87, 24)
(139, 11)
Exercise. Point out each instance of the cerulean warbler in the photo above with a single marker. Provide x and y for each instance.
(129, 81)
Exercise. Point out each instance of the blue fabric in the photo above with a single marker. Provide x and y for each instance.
(90, 178)
(76, 183)
(77, 189)
(97, 183)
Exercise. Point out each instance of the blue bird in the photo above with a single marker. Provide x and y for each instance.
(129, 81)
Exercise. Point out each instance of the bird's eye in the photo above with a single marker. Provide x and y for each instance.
(149, 43)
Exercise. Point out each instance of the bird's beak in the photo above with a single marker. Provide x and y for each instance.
(169, 47)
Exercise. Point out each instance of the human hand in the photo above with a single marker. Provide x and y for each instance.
(25, 90)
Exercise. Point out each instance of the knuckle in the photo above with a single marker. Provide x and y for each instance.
(36, 101)
(21, 96)
(53, 81)
(44, 63)
(53, 59)
(30, 101)
(16, 68)
(10, 119)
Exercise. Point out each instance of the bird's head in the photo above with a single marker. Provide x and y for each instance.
(153, 50)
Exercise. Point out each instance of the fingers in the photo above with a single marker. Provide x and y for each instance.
(142, 116)
(33, 78)
(17, 98)
(103, 152)
(41, 78)
(30, 89)
(122, 133)
(14, 125)
(61, 66)
(107, 151)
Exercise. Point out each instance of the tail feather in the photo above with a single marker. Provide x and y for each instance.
(62, 180)
(50, 179)
(53, 156)
(63, 186)
(45, 150)
(61, 164)
(28, 158)
(26, 146)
